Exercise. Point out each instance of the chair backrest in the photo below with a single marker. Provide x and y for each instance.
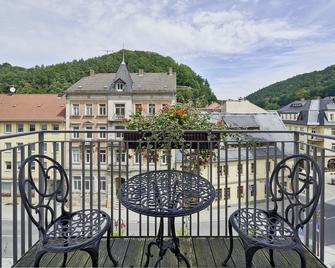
(52, 186)
(292, 180)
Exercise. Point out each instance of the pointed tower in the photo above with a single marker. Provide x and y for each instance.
(122, 80)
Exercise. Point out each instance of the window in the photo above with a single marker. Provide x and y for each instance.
(227, 193)
(75, 135)
(119, 134)
(32, 147)
(89, 135)
(223, 169)
(102, 155)
(103, 184)
(55, 127)
(137, 157)
(119, 86)
(120, 157)
(252, 190)
(8, 128)
(45, 147)
(102, 135)
(44, 127)
(76, 183)
(19, 128)
(88, 110)
(218, 193)
(138, 108)
(75, 109)
(88, 183)
(88, 156)
(20, 145)
(152, 157)
(32, 127)
(252, 167)
(8, 165)
(152, 108)
(301, 146)
(164, 105)
(76, 155)
(8, 145)
(240, 193)
(102, 109)
(333, 131)
(333, 146)
(120, 109)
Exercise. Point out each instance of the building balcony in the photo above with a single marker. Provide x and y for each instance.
(117, 117)
(239, 169)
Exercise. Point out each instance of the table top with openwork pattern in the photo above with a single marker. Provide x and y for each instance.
(167, 193)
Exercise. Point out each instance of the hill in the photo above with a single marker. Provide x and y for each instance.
(308, 85)
(57, 78)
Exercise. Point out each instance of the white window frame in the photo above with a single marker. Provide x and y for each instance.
(75, 135)
(18, 127)
(76, 156)
(103, 156)
(102, 109)
(119, 87)
(8, 145)
(164, 158)
(75, 109)
(88, 156)
(89, 135)
(88, 109)
(123, 157)
(88, 180)
(8, 165)
(77, 184)
(151, 108)
(102, 135)
(30, 127)
(120, 109)
(118, 134)
(55, 127)
(103, 184)
(44, 127)
(8, 128)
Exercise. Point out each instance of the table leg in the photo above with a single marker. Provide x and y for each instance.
(172, 244)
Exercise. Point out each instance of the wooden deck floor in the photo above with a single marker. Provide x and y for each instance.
(201, 252)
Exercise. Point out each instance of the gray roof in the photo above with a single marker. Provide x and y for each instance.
(233, 154)
(310, 112)
(146, 83)
(123, 75)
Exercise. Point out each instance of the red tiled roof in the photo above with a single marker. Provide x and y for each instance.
(32, 107)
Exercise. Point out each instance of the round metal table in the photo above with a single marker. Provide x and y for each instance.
(166, 194)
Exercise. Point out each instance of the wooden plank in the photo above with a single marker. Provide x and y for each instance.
(28, 259)
(260, 260)
(103, 254)
(134, 253)
(186, 247)
(312, 260)
(219, 251)
(119, 249)
(154, 252)
(278, 258)
(293, 258)
(202, 253)
(238, 255)
(78, 258)
(169, 260)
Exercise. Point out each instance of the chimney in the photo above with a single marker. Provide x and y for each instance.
(170, 71)
(92, 72)
(140, 72)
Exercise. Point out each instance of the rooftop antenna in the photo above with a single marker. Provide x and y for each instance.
(123, 54)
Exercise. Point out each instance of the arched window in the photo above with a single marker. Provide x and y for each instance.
(119, 86)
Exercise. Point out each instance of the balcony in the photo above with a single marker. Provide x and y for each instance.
(239, 169)
(118, 117)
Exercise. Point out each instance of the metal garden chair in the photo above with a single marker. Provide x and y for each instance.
(293, 179)
(70, 231)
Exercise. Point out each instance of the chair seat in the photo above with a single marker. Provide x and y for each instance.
(80, 228)
(269, 231)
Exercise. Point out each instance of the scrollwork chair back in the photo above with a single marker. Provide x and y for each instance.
(292, 182)
(45, 188)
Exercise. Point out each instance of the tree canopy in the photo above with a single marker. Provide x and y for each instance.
(308, 85)
(56, 78)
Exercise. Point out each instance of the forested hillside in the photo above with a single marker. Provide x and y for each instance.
(309, 85)
(57, 78)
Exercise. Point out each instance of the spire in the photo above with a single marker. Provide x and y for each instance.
(123, 54)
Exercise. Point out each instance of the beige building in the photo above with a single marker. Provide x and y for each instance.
(315, 116)
(105, 101)
(234, 106)
(20, 113)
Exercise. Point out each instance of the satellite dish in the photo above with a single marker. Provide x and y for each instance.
(12, 89)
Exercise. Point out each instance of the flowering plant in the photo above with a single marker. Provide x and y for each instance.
(167, 129)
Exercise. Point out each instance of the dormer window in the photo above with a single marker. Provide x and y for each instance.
(119, 86)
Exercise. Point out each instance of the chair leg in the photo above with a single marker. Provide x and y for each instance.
(231, 244)
(64, 259)
(109, 247)
(94, 254)
(38, 257)
(249, 253)
(271, 257)
(301, 253)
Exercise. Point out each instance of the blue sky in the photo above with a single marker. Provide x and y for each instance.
(238, 45)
